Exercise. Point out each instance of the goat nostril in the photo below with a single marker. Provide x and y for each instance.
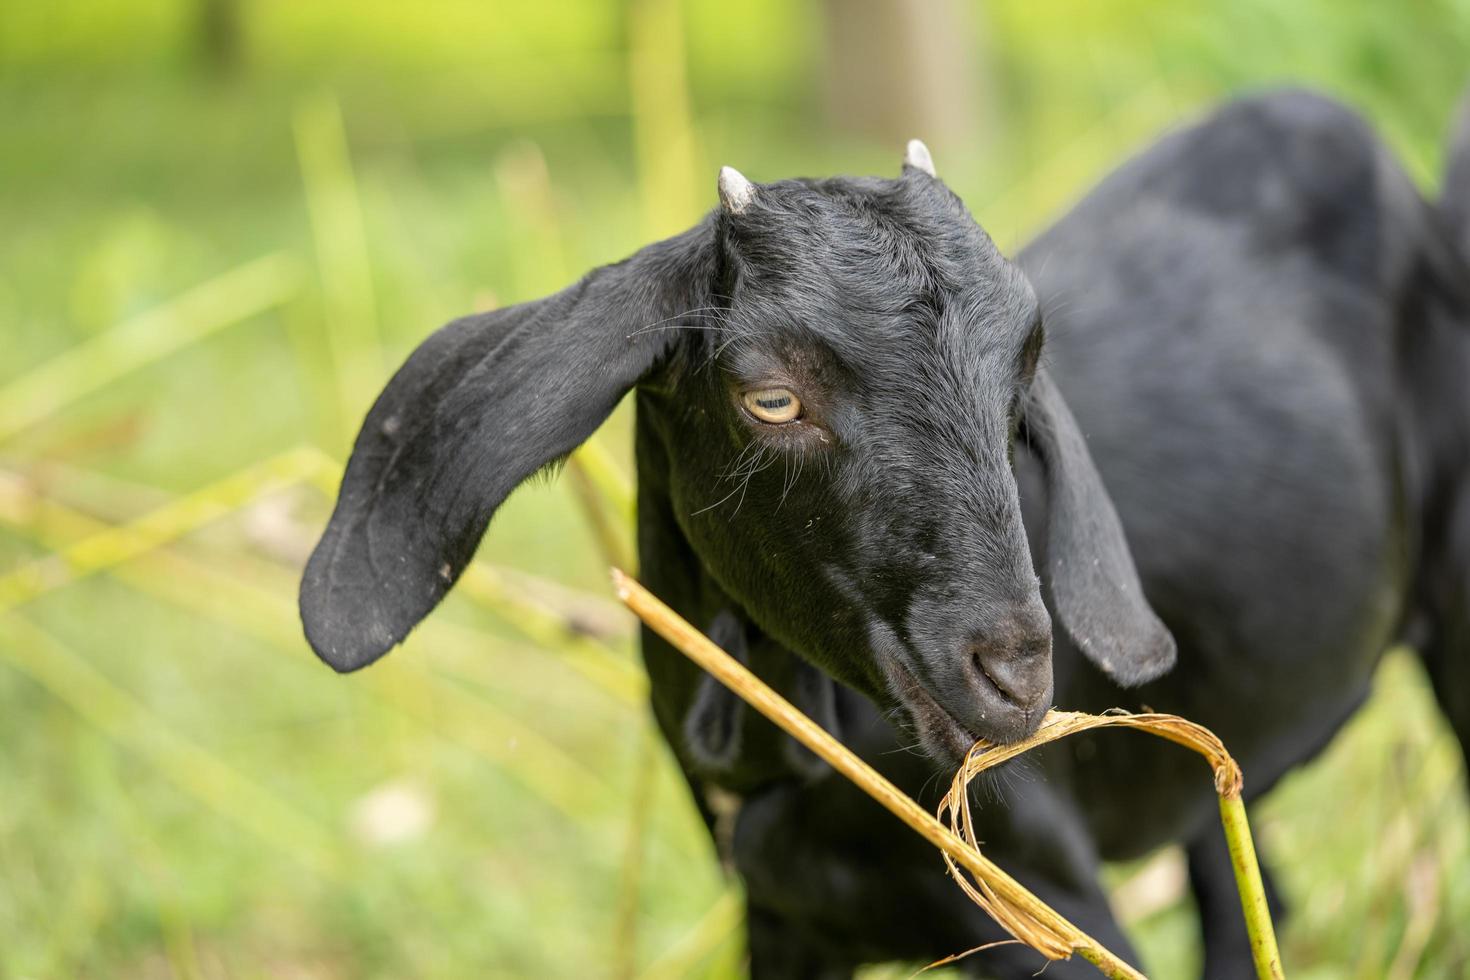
(979, 664)
(1022, 677)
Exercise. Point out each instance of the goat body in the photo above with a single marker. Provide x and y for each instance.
(1262, 333)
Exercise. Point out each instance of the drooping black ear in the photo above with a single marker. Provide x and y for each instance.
(481, 405)
(1094, 583)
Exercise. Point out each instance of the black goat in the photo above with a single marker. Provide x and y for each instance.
(852, 459)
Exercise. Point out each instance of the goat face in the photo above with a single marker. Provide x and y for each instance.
(838, 428)
(837, 371)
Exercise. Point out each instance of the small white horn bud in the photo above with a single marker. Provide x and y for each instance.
(917, 156)
(735, 191)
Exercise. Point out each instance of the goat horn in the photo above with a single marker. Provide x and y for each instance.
(735, 191)
(917, 156)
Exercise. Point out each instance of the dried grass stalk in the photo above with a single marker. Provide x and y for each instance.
(1034, 917)
(1018, 911)
(955, 809)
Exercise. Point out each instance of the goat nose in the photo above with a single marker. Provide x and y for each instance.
(1022, 680)
(1014, 657)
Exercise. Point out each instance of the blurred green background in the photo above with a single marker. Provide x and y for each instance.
(225, 221)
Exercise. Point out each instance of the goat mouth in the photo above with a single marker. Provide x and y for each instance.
(940, 734)
(943, 736)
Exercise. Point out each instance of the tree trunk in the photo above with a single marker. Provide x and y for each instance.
(900, 69)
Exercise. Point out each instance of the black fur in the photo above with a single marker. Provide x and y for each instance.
(1263, 332)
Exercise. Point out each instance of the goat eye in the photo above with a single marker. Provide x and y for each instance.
(773, 405)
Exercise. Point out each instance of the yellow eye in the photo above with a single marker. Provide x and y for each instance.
(774, 405)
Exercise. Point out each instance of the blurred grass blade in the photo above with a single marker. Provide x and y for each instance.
(566, 622)
(450, 709)
(559, 778)
(608, 477)
(545, 628)
(630, 883)
(343, 261)
(169, 522)
(668, 155)
(608, 530)
(524, 183)
(716, 926)
(111, 790)
(228, 299)
(92, 695)
(74, 920)
(447, 708)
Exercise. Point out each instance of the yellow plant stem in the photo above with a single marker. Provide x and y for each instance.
(739, 679)
(1017, 911)
(1252, 892)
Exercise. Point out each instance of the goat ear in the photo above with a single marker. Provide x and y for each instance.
(1094, 584)
(481, 405)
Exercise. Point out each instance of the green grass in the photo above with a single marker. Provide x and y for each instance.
(204, 280)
